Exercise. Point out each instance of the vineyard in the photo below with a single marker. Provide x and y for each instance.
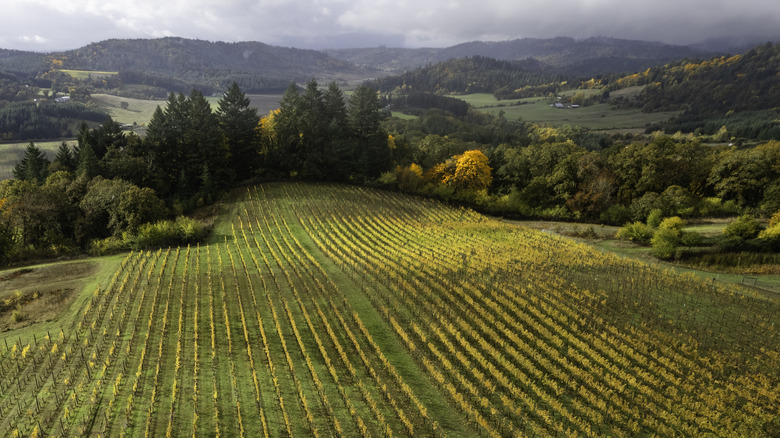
(321, 310)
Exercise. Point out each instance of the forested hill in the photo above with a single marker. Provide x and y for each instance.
(746, 82)
(21, 64)
(477, 74)
(192, 59)
(587, 57)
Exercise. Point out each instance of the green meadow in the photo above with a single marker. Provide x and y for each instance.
(600, 117)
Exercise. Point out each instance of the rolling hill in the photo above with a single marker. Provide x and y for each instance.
(187, 58)
(563, 55)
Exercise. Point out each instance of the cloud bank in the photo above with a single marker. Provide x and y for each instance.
(67, 24)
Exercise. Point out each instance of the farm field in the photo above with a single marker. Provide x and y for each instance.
(328, 310)
(11, 153)
(140, 111)
(600, 117)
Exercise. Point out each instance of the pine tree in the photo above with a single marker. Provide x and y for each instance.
(238, 121)
(370, 140)
(340, 164)
(65, 159)
(287, 155)
(33, 166)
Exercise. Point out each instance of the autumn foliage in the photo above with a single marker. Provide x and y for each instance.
(467, 171)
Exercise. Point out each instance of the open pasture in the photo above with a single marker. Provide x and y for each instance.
(600, 117)
(11, 153)
(86, 74)
(326, 310)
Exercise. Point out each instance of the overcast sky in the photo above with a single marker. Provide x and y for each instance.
(46, 25)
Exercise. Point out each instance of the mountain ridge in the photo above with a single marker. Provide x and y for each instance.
(186, 58)
(563, 53)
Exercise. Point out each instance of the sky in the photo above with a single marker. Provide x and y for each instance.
(46, 25)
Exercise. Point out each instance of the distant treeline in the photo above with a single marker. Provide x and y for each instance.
(414, 101)
(746, 82)
(477, 74)
(46, 119)
(759, 125)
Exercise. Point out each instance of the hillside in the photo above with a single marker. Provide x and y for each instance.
(186, 57)
(478, 74)
(586, 57)
(20, 64)
(205, 62)
(717, 89)
(320, 310)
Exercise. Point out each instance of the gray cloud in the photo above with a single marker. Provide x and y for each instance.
(43, 25)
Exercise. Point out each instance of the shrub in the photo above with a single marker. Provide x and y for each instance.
(635, 232)
(691, 238)
(615, 215)
(17, 316)
(771, 235)
(655, 217)
(668, 237)
(387, 180)
(774, 220)
(109, 245)
(189, 230)
(167, 233)
(664, 243)
(674, 223)
(745, 227)
(716, 207)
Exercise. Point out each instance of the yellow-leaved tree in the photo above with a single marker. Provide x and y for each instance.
(472, 171)
(410, 178)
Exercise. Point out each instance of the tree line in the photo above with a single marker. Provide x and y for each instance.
(479, 74)
(118, 190)
(571, 174)
(112, 184)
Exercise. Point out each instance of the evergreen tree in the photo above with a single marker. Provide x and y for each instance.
(205, 144)
(33, 166)
(370, 139)
(335, 112)
(238, 122)
(287, 154)
(314, 139)
(180, 140)
(108, 135)
(89, 164)
(65, 159)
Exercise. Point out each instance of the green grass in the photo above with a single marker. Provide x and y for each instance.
(628, 92)
(78, 278)
(85, 74)
(601, 117)
(708, 229)
(139, 111)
